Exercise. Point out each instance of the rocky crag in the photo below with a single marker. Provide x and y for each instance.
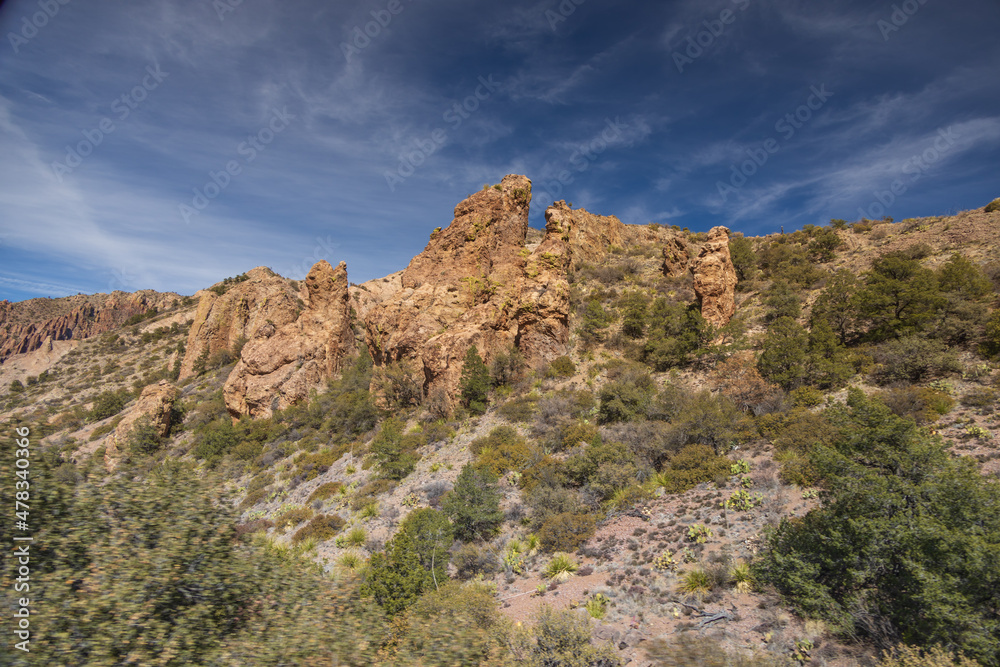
(25, 326)
(223, 319)
(156, 403)
(282, 362)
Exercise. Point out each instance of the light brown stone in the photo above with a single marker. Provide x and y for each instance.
(155, 402)
(280, 364)
(715, 278)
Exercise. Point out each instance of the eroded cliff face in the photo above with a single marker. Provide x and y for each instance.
(281, 362)
(715, 278)
(589, 237)
(241, 311)
(476, 284)
(25, 326)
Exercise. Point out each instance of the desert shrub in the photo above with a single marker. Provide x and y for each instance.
(432, 536)
(501, 451)
(981, 397)
(471, 560)
(566, 531)
(321, 528)
(580, 431)
(633, 306)
(557, 638)
(688, 650)
(451, 625)
(521, 409)
(252, 498)
(399, 384)
(901, 544)
(899, 297)
(738, 379)
(935, 656)
(912, 359)
(709, 419)
(783, 359)
(561, 367)
(108, 404)
(603, 466)
(921, 404)
(781, 301)
(325, 491)
(993, 206)
(292, 517)
(16, 387)
(594, 320)
(508, 368)
(744, 258)
(215, 440)
(474, 504)
(474, 384)
(369, 493)
(627, 398)
(143, 437)
(691, 466)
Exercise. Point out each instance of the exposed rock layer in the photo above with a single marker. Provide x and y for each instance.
(281, 363)
(25, 326)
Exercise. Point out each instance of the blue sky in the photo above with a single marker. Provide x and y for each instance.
(167, 144)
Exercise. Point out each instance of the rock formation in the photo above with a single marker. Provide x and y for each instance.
(477, 284)
(588, 236)
(676, 260)
(220, 321)
(25, 326)
(715, 278)
(282, 362)
(155, 402)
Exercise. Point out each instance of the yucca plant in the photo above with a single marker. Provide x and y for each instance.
(356, 537)
(351, 561)
(561, 567)
(597, 606)
(695, 583)
(369, 511)
(740, 574)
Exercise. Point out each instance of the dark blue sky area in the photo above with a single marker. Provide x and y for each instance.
(168, 144)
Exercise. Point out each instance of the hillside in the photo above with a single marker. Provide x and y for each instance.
(600, 444)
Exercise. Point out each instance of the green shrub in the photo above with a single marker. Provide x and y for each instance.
(580, 431)
(913, 359)
(558, 638)
(394, 453)
(326, 490)
(520, 409)
(502, 451)
(561, 367)
(321, 527)
(626, 400)
(936, 656)
(675, 331)
(395, 578)
(561, 567)
(292, 517)
(921, 404)
(143, 437)
(472, 560)
(508, 368)
(16, 387)
(108, 404)
(399, 384)
(566, 531)
(695, 583)
(691, 466)
(432, 536)
(993, 206)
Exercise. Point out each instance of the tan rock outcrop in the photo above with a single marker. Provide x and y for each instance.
(238, 313)
(715, 278)
(676, 260)
(588, 236)
(477, 284)
(26, 325)
(156, 402)
(281, 363)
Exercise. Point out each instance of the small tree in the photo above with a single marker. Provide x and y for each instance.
(474, 504)
(394, 458)
(475, 382)
(144, 438)
(395, 577)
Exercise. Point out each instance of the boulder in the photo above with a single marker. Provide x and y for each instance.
(156, 402)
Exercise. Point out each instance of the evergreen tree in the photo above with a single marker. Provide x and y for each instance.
(783, 360)
(395, 578)
(474, 504)
(475, 382)
(828, 362)
(393, 457)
